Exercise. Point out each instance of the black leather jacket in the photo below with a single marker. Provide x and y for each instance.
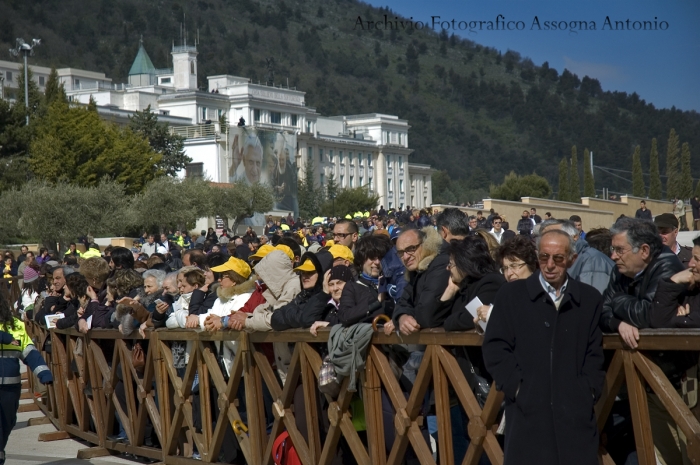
(630, 299)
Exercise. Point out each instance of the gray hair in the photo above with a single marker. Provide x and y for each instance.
(454, 220)
(158, 275)
(570, 247)
(171, 276)
(67, 270)
(639, 232)
(567, 226)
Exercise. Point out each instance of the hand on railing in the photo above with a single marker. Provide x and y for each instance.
(629, 334)
(316, 326)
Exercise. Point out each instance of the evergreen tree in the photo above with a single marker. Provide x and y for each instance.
(170, 146)
(685, 189)
(54, 89)
(73, 144)
(588, 181)
(310, 196)
(574, 180)
(654, 175)
(331, 192)
(563, 193)
(672, 181)
(637, 174)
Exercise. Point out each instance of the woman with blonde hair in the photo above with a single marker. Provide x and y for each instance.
(491, 241)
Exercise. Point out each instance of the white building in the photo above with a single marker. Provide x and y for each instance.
(358, 150)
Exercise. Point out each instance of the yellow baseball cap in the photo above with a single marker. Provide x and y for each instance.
(330, 242)
(267, 248)
(261, 252)
(286, 249)
(234, 264)
(341, 251)
(308, 265)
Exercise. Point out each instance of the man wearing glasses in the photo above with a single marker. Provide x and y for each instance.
(345, 233)
(423, 253)
(543, 347)
(643, 261)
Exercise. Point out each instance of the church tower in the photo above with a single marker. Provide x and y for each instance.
(185, 67)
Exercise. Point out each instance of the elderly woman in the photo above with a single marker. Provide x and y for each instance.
(517, 258)
(334, 283)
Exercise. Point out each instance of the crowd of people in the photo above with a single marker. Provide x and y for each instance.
(544, 292)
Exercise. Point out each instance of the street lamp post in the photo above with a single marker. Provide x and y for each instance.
(26, 50)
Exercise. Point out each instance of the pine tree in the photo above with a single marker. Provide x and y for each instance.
(672, 181)
(331, 192)
(637, 175)
(654, 175)
(54, 89)
(685, 189)
(588, 181)
(563, 194)
(310, 196)
(574, 180)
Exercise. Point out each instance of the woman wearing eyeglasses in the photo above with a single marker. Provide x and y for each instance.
(518, 260)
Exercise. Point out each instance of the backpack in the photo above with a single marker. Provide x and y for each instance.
(283, 451)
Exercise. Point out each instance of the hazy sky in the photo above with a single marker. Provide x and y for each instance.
(662, 66)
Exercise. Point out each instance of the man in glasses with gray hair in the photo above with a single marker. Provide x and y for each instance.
(543, 347)
(642, 262)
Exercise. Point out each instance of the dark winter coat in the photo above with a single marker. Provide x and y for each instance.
(629, 299)
(421, 296)
(525, 226)
(485, 289)
(310, 304)
(393, 280)
(548, 363)
(664, 310)
(359, 303)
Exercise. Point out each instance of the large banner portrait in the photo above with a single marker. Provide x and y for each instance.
(267, 157)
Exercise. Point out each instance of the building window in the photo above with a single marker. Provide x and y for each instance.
(340, 156)
(352, 182)
(342, 181)
(399, 138)
(41, 80)
(294, 120)
(204, 113)
(401, 162)
(330, 156)
(192, 70)
(322, 180)
(309, 153)
(76, 83)
(391, 205)
(362, 181)
(388, 185)
(401, 186)
(165, 80)
(369, 160)
(371, 186)
(256, 115)
(350, 157)
(194, 170)
(320, 155)
(275, 117)
(8, 76)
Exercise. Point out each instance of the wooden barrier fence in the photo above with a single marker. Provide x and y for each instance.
(97, 382)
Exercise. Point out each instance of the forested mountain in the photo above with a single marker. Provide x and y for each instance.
(474, 112)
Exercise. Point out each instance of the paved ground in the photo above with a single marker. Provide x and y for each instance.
(25, 449)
